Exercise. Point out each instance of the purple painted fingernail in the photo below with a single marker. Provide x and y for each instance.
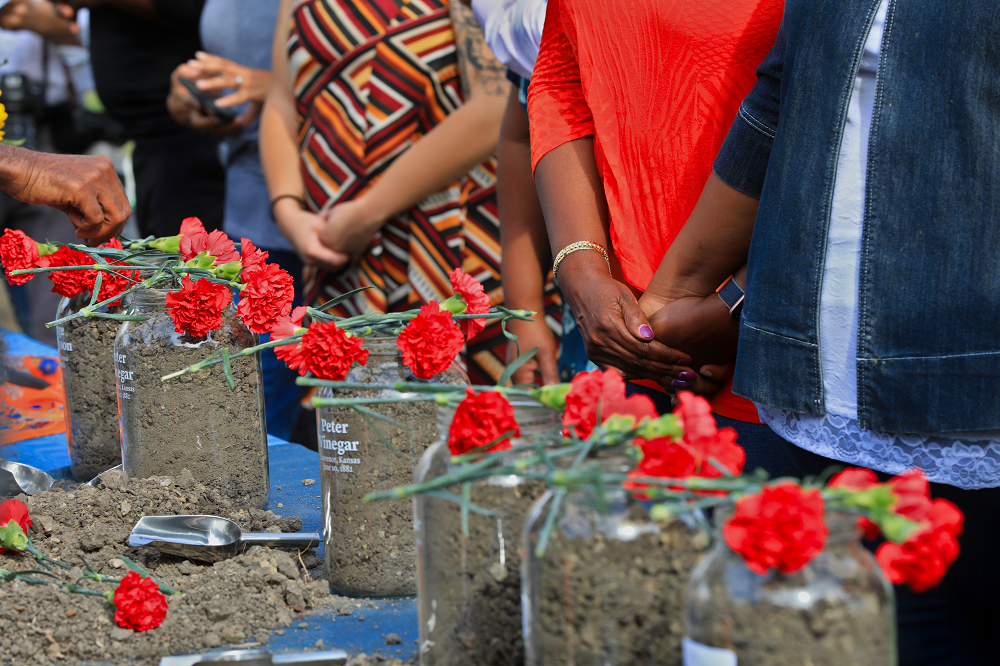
(690, 376)
(684, 361)
(645, 331)
(679, 383)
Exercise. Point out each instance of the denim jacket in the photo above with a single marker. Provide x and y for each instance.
(929, 322)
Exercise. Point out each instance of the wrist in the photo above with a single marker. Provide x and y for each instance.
(285, 209)
(369, 212)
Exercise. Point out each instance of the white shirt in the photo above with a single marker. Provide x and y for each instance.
(513, 30)
(970, 460)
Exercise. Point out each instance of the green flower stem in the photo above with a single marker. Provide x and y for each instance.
(347, 402)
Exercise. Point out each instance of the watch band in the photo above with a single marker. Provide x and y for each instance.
(732, 295)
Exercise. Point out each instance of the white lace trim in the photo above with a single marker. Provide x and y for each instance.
(964, 463)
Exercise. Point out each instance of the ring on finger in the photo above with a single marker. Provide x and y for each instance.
(239, 81)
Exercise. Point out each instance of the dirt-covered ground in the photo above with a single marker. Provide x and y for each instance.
(237, 601)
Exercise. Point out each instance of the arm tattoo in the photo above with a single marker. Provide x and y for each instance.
(480, 70)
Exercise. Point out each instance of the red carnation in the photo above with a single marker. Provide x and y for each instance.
(18, 252)
(329, 352)
(194, 241)
(16, 512)
(71, 283)
(481, 419)
(430, 342)
(197, 307)
(854, 478)
(782, 528)
(139, 604)
(114, 282)
(250, 256)
(266, 298)
(283, 328)
(664, 458)
(924, 558)
(476, 301)
(602, 392)
(704, 439)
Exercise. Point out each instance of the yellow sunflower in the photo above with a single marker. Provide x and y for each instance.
(3, 119)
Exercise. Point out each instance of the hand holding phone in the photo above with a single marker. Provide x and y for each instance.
(207, 103)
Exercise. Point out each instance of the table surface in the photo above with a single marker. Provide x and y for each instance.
(362, 631)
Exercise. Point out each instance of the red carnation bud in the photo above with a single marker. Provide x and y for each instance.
(476, 301)
(481, 419)
(18, 252)
(329, 352)
(602, 392)
(197, 308)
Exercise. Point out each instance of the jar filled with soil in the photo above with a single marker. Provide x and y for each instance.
(196, 421)
(369, 546)
(86, 350)
(609, 588)
(469, 587)
(837, 610)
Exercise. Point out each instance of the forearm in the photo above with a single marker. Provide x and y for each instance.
(524, 243)
(712, 245)
(463, 140)
(572, 197)
(15, 169)
(279, 155)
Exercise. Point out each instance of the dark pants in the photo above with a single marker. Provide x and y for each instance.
(958, 622)
(281, 395)
(175, 179)
(764, 449)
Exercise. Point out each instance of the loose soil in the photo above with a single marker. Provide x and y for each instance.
(236, 601)
(369, 546)
(605, 601)
(849, 626)
(195, 421)
(86, 349)
(470, 594)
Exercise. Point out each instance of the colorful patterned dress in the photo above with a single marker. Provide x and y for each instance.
(370, 78)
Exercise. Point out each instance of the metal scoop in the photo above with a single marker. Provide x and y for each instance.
(208, 538)
(17, 478)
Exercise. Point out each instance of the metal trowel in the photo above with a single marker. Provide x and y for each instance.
(209, 538)
(17, 478)
(258, 658)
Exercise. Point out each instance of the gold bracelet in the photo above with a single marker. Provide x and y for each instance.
(574, 247)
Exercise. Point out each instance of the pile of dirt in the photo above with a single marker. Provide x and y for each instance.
(86, 349)
(195, 421)
(605, 600)
(237, 601)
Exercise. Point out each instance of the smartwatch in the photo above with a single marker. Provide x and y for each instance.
(732, 295)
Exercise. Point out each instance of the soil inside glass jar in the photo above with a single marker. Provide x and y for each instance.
(608, 601)
(370, 546)
(482, 571)
(834, 630)
(194, 421)
(86, 348)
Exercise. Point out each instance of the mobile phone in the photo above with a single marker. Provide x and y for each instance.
(207, 103)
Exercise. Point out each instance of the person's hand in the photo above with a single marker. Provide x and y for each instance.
(702, 326)
(531, 334)
(84, 187)
(302, 228)
(215, 75)
(615, 331)
(350, 227)
(43, 17)
(187, 110)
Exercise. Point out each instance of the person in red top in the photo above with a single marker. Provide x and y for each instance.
(628, 107)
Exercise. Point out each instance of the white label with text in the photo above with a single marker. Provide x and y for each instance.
(331, 445)
(124, 392)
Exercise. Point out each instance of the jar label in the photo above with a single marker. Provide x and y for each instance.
(336, 453)
(63, 346)
(696, 654)
(125, 391)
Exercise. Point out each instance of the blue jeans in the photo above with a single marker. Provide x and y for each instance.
(281, 395)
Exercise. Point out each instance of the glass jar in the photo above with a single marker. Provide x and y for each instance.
(469, 584)
(609, 588)
(837, 610)
(194, 422)
(369, 546)
(86, 350)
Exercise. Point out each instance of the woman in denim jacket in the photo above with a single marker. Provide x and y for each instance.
(862, 179)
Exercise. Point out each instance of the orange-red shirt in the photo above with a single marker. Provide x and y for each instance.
(657, 83)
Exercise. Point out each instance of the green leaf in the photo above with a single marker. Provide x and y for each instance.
(513, 367)
(340, 299)
(227, 367)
